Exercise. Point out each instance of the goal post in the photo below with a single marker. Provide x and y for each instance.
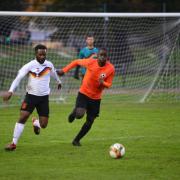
(144, 48)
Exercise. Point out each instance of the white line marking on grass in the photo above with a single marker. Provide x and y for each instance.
(113, 138)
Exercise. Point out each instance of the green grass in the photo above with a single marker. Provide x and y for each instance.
(149, 132)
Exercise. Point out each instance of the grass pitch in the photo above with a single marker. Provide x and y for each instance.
(149, 132)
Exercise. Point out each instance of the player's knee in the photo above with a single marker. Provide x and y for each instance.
(80, 113)
(23, 117)
(43, 125)
(43, 122)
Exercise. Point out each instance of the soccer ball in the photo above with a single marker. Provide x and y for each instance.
(117, 151)
(102, 76)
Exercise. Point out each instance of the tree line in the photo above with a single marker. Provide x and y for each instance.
(93, 6)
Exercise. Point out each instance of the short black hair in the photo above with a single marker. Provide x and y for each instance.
(105, 51)
(89, 35)
(40, 46)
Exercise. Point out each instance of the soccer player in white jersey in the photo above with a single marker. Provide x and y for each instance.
(39, 71)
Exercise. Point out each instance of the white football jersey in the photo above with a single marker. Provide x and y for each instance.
(38, 77)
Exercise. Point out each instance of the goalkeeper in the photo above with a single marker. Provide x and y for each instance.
(85, 52)
(99, 75)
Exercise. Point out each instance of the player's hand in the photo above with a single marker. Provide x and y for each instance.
(60, 72)
(7, 96)
(59, 86)
(101, 80)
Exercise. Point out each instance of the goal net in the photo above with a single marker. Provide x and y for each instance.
(144, 49)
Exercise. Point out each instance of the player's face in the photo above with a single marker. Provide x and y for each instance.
(41, 55)
(102, 58)
(90, 41)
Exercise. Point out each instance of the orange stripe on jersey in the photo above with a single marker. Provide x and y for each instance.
(32, 74)
(45, 71)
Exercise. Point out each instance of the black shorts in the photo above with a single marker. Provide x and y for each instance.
(92, 106)
(41, 103)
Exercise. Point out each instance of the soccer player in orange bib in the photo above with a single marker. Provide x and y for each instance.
(99, 75)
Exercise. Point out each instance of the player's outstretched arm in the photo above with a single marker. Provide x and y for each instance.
(72, 65)
(7, 95)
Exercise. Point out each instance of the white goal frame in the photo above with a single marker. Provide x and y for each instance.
(79, 14)
(104, 15)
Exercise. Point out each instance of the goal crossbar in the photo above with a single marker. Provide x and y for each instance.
(79, 14)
